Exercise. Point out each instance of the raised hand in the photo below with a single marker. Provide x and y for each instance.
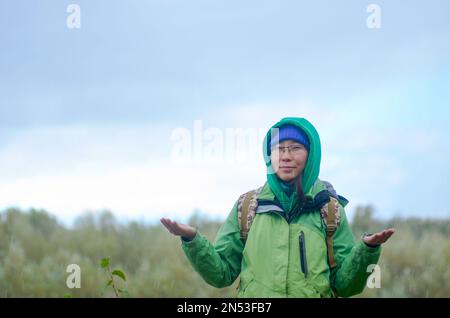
(379, 238)
(179, 229)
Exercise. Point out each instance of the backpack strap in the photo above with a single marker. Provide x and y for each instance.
(331, 219)
(247, 205)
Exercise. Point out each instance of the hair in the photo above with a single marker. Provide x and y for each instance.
(299, 188)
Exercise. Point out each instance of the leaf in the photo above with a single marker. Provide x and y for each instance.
(120, 274)
(124, 292)
(109, 283)
(67, 296)
(104, 262)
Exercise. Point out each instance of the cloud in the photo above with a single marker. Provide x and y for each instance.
(74, 168)
(146, 191)
(126, 168)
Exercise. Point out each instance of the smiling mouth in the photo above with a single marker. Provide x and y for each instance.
(287, 169)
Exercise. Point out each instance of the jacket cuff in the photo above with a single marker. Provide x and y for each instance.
(369, 248)
(192, 243)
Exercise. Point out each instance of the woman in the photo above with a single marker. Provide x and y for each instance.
(285, 253)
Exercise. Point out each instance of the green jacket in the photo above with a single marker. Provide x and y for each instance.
(269, 262)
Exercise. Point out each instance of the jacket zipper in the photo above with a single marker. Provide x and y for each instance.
(303, 262)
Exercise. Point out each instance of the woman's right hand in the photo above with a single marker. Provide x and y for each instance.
(179, 229)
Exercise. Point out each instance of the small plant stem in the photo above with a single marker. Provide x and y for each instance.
(112, 282)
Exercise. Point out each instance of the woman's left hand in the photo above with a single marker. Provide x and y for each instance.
(379, 238)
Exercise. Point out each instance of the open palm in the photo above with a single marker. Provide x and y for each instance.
(379, 238)
(179, 229)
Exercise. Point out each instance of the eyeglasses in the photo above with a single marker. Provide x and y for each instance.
(293, 149)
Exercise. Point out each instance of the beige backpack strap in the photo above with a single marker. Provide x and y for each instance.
(247, 205)
(331, 218)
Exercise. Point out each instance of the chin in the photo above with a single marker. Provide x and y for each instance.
(287, 178)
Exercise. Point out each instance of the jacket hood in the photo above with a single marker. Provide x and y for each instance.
(312, 167)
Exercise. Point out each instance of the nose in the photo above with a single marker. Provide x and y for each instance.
(285, 155)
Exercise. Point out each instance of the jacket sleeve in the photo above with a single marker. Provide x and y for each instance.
(350, 275)
(218, 264)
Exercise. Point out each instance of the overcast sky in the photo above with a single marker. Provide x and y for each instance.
(88, 116)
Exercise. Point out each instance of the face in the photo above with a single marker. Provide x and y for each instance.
(288, 164)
